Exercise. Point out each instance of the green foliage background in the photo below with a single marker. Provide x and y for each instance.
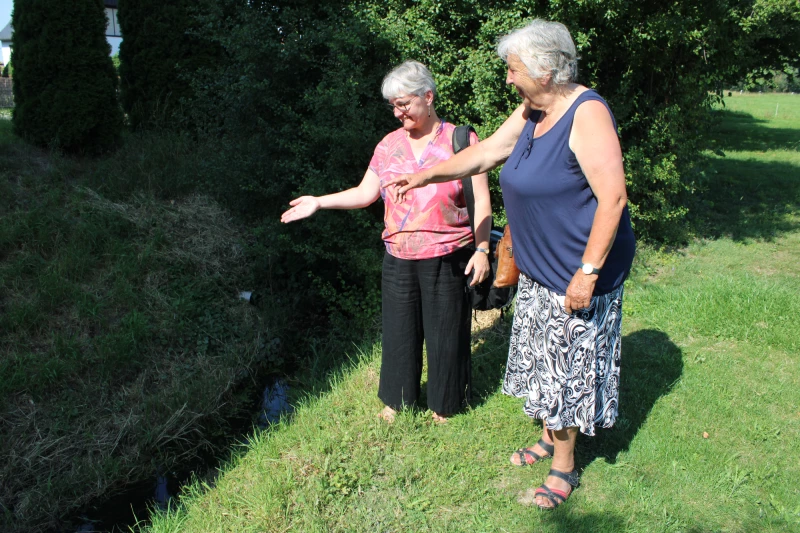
(294, 106)
(64, 82)
(157, 48)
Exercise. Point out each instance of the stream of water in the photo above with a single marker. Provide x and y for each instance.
(122, 511)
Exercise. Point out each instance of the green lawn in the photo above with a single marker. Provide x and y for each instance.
(708, 437)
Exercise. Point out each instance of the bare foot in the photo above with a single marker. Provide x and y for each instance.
(387, 414)
(439, 419)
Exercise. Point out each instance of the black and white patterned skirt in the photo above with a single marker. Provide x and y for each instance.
(566, 366)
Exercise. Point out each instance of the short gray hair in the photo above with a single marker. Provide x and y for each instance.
(407, 78)
(545, 48)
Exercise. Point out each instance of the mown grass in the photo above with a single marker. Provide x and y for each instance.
(123, 346)
(709, 429)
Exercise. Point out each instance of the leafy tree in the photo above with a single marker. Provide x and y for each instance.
(293, 107)
(64, 81)
(658, 64)
(157, 46)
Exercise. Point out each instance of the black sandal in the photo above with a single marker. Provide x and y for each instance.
(557, 497)
(525, 453)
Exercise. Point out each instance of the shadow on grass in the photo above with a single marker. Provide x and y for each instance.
(753, 198)
(489, 358)
(566, 520)
(651, 364)
(743, 132)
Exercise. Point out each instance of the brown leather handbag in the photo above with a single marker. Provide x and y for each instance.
(507, 273)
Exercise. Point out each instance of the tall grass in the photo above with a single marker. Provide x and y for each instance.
(123, 345)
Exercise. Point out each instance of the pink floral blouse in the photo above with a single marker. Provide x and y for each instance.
(433, 220)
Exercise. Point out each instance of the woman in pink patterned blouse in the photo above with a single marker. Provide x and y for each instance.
(430, 251)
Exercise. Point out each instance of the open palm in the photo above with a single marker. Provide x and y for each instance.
(302, 207)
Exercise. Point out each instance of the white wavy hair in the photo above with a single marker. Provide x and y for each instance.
(407, 78)
(545, 48)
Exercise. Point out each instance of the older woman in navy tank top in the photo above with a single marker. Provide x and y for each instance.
(563, 186)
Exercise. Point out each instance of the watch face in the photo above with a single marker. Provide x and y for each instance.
(587, 268)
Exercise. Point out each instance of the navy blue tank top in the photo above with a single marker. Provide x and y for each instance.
(550, 208)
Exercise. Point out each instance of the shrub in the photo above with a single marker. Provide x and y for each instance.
(295, 108)
(156, 47)
(658, 64)
(64, 81)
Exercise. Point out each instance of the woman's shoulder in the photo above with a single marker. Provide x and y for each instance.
(448, 130)
(396, 135)
(590, 106)
(392, 138)
(589, 95)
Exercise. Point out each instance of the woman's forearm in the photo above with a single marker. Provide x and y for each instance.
(483, 222)
(482, 157)
(354, 198)
(469, 162)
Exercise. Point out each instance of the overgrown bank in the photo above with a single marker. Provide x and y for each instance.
(124, 350)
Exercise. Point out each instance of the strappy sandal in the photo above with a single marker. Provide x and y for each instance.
(557, 497)
(529, 457)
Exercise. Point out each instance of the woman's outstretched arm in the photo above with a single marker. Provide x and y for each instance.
(476, 159)
(363, 195)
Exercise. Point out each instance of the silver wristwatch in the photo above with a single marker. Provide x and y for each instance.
(589, 269)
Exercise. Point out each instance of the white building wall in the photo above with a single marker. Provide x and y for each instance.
(112, 24)
(113, 35)
(6, 54)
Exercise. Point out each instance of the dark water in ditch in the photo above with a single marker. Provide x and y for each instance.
(124, 510)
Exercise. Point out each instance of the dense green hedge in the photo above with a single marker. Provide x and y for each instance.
(658, 65)
(294, 106)
(157, 46)
(64, 82)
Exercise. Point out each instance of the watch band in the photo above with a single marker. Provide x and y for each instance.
(482, 250)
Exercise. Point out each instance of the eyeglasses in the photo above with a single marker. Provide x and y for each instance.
(403, 107)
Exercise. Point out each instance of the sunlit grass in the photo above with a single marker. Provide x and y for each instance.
(709, 429)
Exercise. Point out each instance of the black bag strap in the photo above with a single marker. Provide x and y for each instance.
(461, 141)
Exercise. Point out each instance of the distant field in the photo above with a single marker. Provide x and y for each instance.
(777, 107)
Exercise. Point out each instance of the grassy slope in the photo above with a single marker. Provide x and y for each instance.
(122, 342)
(710, 347)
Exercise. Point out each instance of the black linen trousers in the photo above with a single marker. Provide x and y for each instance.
(426, 300)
